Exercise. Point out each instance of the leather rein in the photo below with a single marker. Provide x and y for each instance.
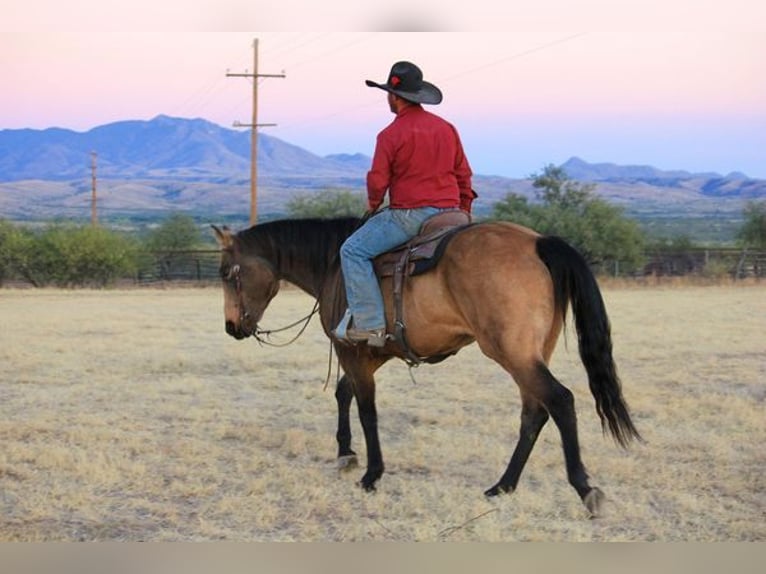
(262, 335)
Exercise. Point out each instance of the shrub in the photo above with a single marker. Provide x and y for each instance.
(327, 203)
(598, 229)
(68, 256)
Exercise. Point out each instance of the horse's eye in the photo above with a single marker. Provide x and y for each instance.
(230, 273)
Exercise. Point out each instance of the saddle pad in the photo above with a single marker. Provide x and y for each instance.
(423, 256)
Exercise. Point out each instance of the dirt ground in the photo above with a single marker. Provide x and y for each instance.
(129, 415)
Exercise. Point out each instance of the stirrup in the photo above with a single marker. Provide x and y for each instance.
(340, 331)
(373, 337)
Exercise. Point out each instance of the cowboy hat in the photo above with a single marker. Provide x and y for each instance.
(406, 81)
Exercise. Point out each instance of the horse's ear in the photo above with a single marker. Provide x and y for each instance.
(223, 236)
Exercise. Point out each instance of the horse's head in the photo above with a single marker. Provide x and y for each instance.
(250, 282)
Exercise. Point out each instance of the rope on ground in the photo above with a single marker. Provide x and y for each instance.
(452, 529)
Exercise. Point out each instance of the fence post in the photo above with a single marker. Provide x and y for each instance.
(741, 264)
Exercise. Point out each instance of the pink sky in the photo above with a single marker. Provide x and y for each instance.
(679, 85)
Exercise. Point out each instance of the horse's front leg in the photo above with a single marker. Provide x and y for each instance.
(364, 390)
(344, 395)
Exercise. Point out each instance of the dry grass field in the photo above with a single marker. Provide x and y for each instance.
(129, 415)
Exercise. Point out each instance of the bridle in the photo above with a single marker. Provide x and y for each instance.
(261, 335)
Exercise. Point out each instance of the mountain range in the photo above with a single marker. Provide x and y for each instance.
(175, 164)
(164, 147)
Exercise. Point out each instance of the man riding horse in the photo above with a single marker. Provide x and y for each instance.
(419, 160)
(503, 286)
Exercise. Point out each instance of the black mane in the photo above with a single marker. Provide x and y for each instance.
(300, 244)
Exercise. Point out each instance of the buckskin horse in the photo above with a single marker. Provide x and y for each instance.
(498, 284)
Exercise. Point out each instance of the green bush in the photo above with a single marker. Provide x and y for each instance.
(176, 233)
(16, 248)
(328, 203)
(6, 232)
(717, 269)
(68, 256)
(753, 231)
(600, 230)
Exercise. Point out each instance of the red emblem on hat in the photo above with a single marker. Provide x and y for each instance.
(394, 81)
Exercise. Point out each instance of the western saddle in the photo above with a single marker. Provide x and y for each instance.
(418, 255)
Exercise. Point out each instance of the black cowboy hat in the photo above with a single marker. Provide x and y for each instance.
(406, 81)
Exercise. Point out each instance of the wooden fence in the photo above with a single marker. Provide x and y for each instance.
(735, 263)
(201, 266)
(196, 266)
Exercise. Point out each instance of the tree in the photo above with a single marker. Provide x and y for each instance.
(570, 210)
(753, 231)
(516, 208)
(609, 237)
(17, 248)
(168, 246)
(556, 188)
(6, 235)
(69, 256)
(177, 233)
(327, 203)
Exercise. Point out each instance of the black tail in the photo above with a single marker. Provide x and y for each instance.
(573, 281)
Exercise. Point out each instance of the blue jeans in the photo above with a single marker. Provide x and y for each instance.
(385, 230)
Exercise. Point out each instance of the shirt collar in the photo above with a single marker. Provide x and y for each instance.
(409, 109)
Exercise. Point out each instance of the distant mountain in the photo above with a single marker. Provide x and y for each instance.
(173, 164)
(709, 184)
(160, 148)
(581, 170)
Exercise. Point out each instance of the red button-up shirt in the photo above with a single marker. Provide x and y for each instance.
(419, 160)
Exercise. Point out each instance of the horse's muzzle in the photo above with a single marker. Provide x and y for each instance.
(236, 331)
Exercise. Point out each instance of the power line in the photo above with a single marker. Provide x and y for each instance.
(345, 46)
(301, 45)
(515, 56)
(201, 97)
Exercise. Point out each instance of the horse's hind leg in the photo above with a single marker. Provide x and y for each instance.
(560, 404)
(558, 401)
(344, 394)
(533, 418)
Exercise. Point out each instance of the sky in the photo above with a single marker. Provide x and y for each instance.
(677, 84)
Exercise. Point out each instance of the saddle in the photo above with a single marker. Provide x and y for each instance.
(422, 252)
(419, 255)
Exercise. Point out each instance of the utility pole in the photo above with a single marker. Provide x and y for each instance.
(254, 125)
(93, 210)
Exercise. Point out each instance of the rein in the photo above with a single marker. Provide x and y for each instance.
(261, 335)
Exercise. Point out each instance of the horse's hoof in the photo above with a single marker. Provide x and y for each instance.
(369, 479)
(497, 490)
(367, 485)
(594, 501)
(347, 462)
